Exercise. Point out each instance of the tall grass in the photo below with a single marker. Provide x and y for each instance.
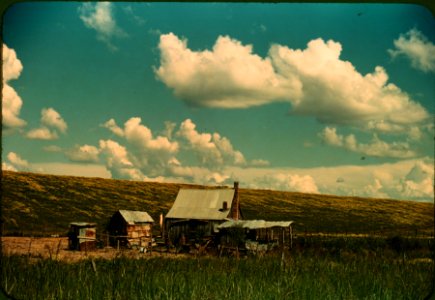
(300, 276)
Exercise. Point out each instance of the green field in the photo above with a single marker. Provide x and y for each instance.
(301, 275)
(36, 204)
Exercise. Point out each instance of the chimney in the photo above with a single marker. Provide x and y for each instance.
(236, 205)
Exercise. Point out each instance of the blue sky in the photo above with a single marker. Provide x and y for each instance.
(320, 98)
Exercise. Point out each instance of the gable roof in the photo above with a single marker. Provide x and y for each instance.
(201, 204)
(133, 216)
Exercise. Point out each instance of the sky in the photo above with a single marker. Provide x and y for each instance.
(318, 98)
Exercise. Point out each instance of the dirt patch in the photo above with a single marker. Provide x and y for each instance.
(57, 248)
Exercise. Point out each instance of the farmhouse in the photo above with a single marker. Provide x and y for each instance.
(196, 213)
(130, 228)
(82, 236)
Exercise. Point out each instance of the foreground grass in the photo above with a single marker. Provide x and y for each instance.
(300, 276)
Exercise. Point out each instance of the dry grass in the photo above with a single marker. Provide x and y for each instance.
(41, 205)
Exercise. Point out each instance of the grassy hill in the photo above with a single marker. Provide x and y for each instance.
(36, 204)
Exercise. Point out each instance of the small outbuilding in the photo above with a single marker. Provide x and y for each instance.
(196, 213)
(130, 228)
(255, 235)
(82, 236)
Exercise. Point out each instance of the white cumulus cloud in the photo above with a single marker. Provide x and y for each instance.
(11, 102)
(229, 76)
(42, 133)
(15, 163)
(117, 161)
(52, 119)
(314, 81)
(112, 126)
(150, 154)
(419, 182)
(212, 150)
(416, 47)
(178, 155)
(51, 124)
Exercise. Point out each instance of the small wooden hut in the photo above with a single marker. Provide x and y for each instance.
(82, 236)
(130, 228)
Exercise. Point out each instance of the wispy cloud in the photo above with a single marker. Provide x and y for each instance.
(85, 153)
(376, 147)
(100, 18)
(417, 48)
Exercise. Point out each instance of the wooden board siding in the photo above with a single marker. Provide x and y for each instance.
(191, 230)
(139, 234)
(82, 236)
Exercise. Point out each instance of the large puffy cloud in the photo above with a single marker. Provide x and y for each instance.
(415, 46)
(229, 76)
(335, 92)
(11, 102)
(376, 147)
(315, 81)
(100, 18)
(51, 124)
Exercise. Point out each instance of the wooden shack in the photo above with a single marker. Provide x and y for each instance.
(82, 236)
(196, 213)
(130, 228)
(255, 235)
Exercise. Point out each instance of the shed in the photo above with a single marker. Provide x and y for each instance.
(256, 234)
(131, 228)
(82, 236)
(196, 213)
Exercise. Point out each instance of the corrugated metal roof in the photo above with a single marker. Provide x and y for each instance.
(201, 204)
(254, 224)
(83, 224)
(134, 216)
